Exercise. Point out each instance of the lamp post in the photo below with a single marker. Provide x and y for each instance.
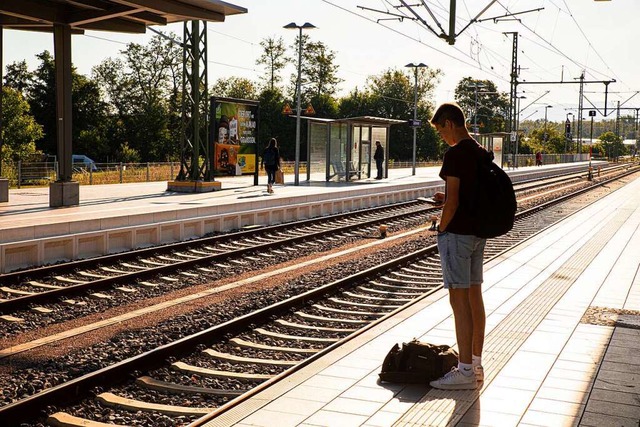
(515, 152)
(544, 139)
(415, 109)
(293, 26)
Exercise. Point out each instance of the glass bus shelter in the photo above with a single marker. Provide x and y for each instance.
(343, 149)
(495, 142)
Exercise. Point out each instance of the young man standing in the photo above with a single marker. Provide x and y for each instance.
(461, 252)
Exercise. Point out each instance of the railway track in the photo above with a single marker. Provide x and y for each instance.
(51, 294)
(262, 345)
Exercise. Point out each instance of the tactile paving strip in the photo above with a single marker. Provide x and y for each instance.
(445, 407)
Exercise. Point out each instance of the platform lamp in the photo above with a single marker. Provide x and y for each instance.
(294, 26)
(515, 151)
(545, 136)
(415, 110)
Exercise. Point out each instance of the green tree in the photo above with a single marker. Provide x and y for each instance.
(356, 103)
(612, 145)
(492, 104)
(274, 59)
(235, 87)
(274, 124)
(19, 131)
(554, 143)
(42, 99)
(391, 95)
(143, 88)
(18, 77)
(320, 69)
(318, 74)
(127, 154)
(89, 111)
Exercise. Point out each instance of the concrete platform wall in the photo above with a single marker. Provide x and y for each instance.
(49, 243)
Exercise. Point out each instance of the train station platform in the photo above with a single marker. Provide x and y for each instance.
(562, 342)
(119, 217)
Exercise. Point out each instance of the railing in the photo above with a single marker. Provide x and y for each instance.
(523, 160)
(42, 173)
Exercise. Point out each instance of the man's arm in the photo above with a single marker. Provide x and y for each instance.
(451, 203)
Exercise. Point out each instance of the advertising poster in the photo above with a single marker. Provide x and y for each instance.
(234, 135)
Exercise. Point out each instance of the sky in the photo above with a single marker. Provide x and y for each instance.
(554, 44)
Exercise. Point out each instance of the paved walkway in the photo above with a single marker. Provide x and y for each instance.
(560, 348)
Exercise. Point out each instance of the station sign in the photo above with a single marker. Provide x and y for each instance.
(415, 123)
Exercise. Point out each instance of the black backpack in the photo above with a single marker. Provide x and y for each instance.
(417, 362)
(269, 157)
(493, 204)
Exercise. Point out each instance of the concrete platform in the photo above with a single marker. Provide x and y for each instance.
(120, 217)
(561, 346)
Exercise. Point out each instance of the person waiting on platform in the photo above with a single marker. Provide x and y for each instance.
(271, 163)
(461, 252)
(538, 159)
(378, 156)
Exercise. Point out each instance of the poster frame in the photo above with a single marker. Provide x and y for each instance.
(214, 131)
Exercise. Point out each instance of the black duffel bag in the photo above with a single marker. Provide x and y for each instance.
(417, 362)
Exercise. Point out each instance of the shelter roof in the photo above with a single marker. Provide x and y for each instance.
(370, 120)
(127, 16)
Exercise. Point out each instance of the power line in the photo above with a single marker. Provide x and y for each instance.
(471, 64)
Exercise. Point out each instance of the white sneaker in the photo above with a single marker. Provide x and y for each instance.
(478, 370)
(455, 380)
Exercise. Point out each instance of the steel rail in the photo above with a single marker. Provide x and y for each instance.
(83, 263)
(22, 302)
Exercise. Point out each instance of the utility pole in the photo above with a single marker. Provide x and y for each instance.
(582, 82)
(513, 93)
(475, 110)
(580, 103)
(615, 147)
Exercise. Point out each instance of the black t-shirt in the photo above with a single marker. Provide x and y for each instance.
(276, 158)
(460, 161)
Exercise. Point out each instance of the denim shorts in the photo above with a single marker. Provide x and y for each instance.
(461, 257)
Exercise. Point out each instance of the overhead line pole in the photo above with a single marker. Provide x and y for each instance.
(513, 93)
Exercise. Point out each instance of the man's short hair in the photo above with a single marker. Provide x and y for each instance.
(449, 111)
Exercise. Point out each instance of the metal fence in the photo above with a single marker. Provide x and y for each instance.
(24, 173)
(522, 160)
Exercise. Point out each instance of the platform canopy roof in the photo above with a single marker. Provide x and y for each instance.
(126, 16)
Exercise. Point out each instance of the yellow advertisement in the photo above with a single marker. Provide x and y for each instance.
(234, 136)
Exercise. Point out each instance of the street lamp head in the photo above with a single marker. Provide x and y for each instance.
(548, 106)
(294, 26)
(412, 65)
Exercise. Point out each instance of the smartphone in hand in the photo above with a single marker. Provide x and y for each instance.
(430, 200)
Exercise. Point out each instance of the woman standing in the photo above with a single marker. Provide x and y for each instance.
(271, 162)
